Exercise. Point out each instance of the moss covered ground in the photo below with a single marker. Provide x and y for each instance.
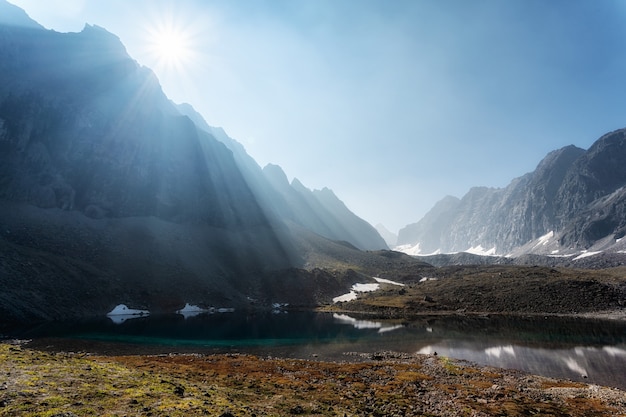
(38, 383)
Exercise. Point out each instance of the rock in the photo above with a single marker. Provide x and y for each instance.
(179, 390)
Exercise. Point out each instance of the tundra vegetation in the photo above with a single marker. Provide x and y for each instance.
(46, 384)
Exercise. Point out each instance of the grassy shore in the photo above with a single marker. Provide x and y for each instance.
(37, 383)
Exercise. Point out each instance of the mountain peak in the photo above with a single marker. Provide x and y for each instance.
(11, 15)
(276, 176)
(575, 194)
(565, 155)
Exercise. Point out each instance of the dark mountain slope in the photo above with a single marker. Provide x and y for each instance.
(605, 216)
(319, 210)
(597, 173)
(100, 172)
(110, 193)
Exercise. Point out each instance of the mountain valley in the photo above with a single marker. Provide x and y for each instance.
(110, 193)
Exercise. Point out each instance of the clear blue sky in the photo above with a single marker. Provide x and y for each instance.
(392, 104)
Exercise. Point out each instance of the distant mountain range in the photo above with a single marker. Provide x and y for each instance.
(573, 203)
(110, 193)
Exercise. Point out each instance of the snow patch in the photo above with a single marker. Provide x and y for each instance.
(543, 240)
(356, 288)
(388, 281)
(414, 250)
(121, 313)
(586, 254)
(424, 279)
(192, 310)
(365, 287)
(479, 250)
(346, 297)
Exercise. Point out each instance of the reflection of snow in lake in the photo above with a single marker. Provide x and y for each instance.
(613, 351)
(586, 350)
(581, 363)
(575, 366)
(499, 350)
(366, 324)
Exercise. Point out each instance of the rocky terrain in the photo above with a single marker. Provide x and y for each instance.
(384, 384)
(501, 289)
(573, 201)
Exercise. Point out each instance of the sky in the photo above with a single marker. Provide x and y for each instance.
(391, 104)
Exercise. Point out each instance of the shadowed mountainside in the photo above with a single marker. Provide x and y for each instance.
(110, 195)
(319, 211)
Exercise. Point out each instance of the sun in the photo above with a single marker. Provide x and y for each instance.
(170, 42)
(171, 47)
(174, 41)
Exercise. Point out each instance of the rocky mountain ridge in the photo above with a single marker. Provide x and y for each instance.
(572, 201)
(108, 194)
(320, 211)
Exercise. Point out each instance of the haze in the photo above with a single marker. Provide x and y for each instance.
(393, 105)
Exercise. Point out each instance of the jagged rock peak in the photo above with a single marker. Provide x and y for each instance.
(566, 154)
(298, 186)
(326, 192)
(11, 15)
(575, 195)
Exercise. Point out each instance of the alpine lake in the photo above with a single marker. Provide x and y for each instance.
(579, 349)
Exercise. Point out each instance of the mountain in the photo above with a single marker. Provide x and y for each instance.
(428, 231)
(109, 194)
(572, 201)
(319, 211)
(391, 239)
(11, 15)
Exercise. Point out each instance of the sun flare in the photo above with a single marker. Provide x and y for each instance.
(171, 46)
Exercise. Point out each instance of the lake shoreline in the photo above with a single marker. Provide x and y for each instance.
(397, 314)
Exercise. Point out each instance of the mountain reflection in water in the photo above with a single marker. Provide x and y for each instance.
(592, 351)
